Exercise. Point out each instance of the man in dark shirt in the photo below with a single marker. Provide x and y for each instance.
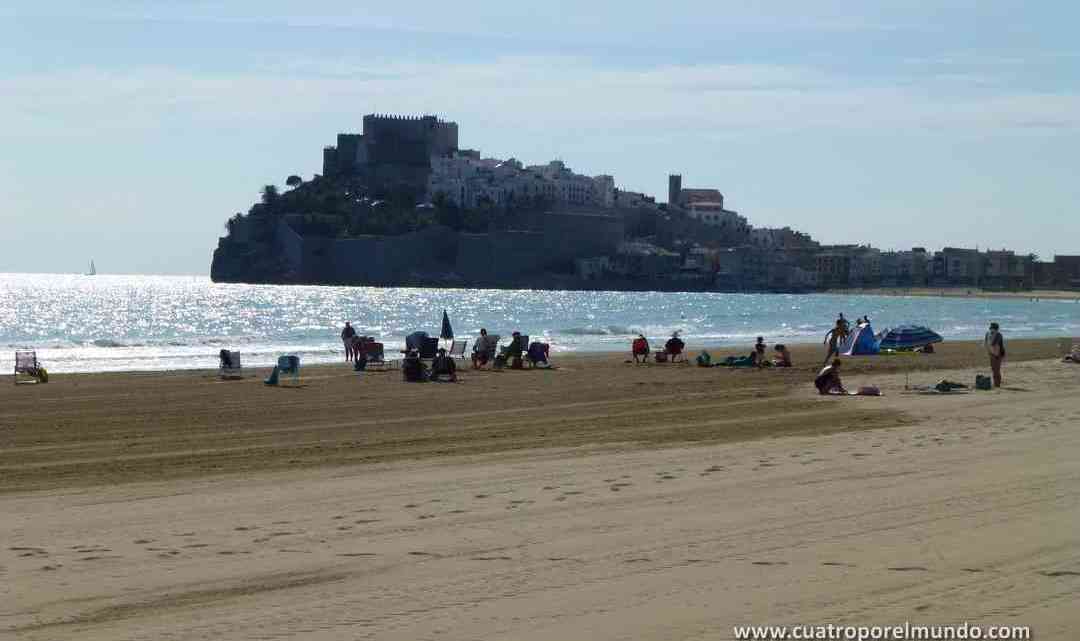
(347, 338)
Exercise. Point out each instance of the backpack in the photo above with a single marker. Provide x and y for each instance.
(983, 382)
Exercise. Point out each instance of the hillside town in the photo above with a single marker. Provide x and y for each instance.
(402, 203)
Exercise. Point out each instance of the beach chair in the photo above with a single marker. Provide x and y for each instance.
(457, 349)
(229, 367)
(28, 369)
(288, 365)
(428, 348)
(537, 354)
(376, 357)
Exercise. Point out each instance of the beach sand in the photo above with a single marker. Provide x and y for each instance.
(600, 500)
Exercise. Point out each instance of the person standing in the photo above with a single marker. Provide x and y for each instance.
(347, 339)
(995, 347)
(832, 339)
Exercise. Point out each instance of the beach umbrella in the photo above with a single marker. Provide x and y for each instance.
(909, 337)
(447, 331)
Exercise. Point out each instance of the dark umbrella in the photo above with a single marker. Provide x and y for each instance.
(909, 337)
(447, 331)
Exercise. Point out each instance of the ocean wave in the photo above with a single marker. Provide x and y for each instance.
(610, 330)
(107, 342)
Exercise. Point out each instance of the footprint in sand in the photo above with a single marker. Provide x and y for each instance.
(838, 564)
(245, 528)
(490, 558)
(142, 541)
(768, 563)
(356, 554)
(481, 496)
(457, 511)
(425, 516)
(908, 568)
(365, 521)
(1055, 573)
(409, 506)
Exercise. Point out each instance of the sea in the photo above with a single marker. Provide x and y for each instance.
(107, 323)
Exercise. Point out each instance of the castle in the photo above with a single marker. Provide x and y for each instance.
(392, 152)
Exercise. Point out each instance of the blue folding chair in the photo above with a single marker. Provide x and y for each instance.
(288, 365)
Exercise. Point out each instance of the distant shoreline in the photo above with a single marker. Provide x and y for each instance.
(956, 292)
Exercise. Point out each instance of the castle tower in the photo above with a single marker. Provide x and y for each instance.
(674, 189)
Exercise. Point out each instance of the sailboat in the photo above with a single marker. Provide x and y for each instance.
(93, 270)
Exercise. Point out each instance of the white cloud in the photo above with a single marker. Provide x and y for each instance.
(550, 93)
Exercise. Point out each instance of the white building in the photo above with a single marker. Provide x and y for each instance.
(468, 180)
(714, 214)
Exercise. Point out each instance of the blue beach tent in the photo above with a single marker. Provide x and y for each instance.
(860, 342)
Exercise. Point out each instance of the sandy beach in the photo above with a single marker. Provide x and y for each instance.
(599, 500)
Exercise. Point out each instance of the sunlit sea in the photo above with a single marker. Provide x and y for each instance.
(122, 323)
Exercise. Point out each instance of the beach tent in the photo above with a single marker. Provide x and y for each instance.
(860, 342)
(908, 337)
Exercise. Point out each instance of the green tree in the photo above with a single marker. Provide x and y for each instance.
(294, 181)
(270, 195)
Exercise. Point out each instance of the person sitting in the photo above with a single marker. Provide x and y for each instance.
(704, 359)
(412, 368)
(512, 353)
(359, 352)
(1073, 356)
(783, 356)
(443, 365)
(674, 347)
(640, 349)
(483, 349)
(828, 380)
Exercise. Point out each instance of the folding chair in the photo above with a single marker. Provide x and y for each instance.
(538, 353)
(428, 348)
(288, 365)
(457, 349)
(230, 365)
(27, 368)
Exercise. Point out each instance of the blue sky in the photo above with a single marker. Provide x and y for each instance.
(130, 131)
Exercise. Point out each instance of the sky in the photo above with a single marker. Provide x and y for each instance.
(130, 131)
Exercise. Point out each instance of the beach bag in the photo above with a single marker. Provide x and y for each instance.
(983, 382)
